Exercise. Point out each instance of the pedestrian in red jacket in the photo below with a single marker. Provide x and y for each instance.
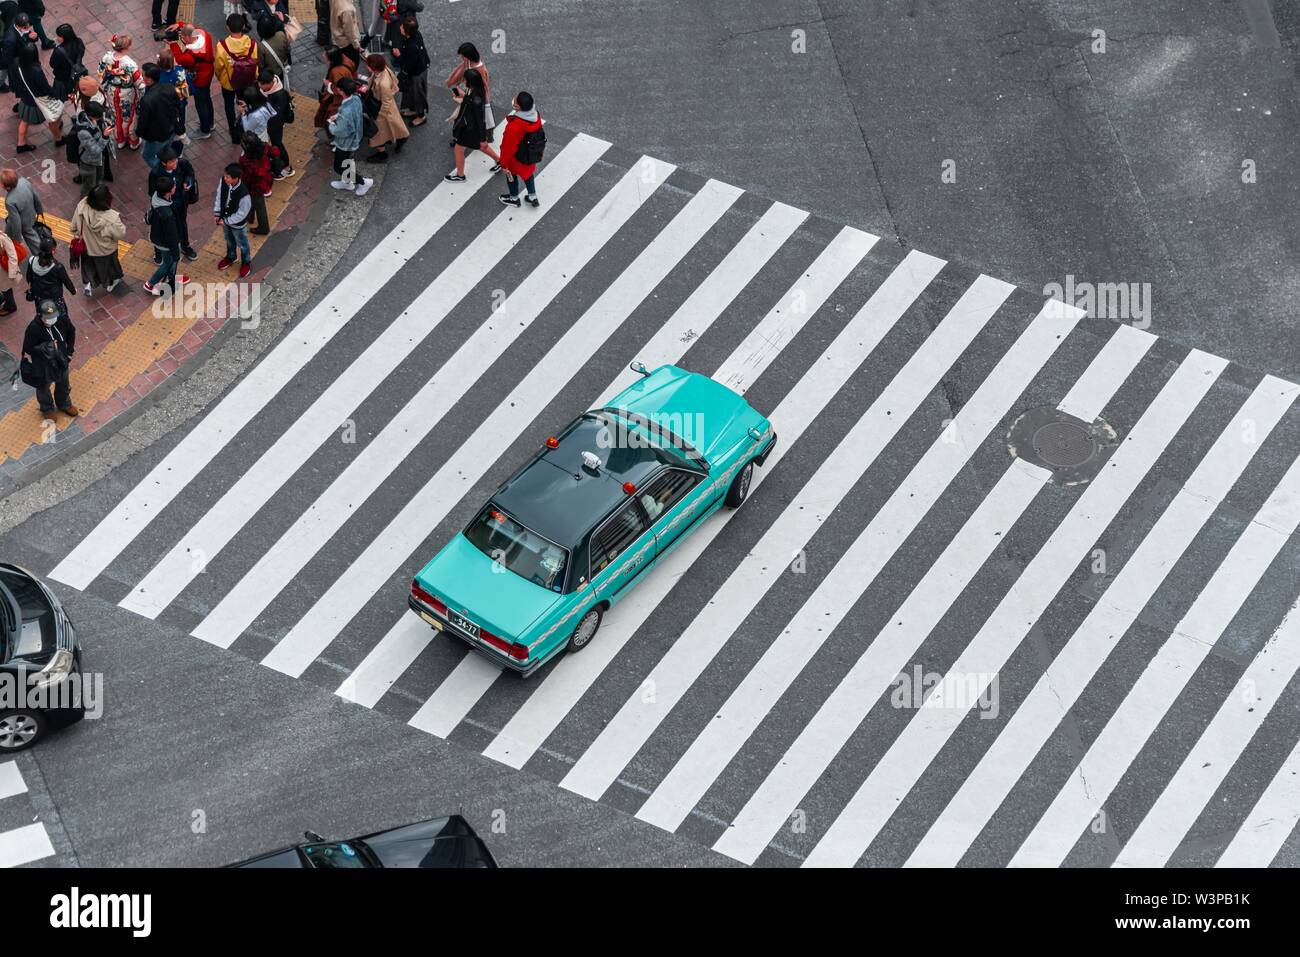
(255, 162)
(194, 50)
(522, 146)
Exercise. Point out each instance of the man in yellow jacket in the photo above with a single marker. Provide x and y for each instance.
(235, 67)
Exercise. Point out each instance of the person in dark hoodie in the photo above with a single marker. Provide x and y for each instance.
(157, 116)
(47, 278)
(185, 195)
(29, 81)
(164, 235)
(48, 344)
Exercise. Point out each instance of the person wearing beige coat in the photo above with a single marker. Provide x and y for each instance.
(345, 27)
(392, 128)
(100, 226)
(8, 276)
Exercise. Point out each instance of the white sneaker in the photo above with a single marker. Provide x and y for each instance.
(364, 186)
(112, 285)
(341, 184)
(89, 290)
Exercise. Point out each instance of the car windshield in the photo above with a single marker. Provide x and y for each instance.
(518, 549)
(333, 854)
(10, 617)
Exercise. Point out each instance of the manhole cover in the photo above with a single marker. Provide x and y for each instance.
(1064, 445)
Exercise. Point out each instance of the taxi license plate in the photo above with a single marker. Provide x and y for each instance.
(431, 620)
(464, 624)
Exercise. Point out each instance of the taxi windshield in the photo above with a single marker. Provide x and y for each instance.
(333, 854)
(518, 549)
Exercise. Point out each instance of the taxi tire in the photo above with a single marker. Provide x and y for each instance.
(33, 717)
(599, 612)
(739, 490)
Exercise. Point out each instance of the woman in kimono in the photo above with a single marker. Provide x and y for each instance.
(122, 85)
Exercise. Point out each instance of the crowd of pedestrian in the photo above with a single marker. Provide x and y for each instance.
(99, 104)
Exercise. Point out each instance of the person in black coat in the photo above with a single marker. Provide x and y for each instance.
(65, 61)
(412, 59)
(157, 116)
(48, 344)
(184, 196)
(28, 82)
(164, 235)
(47, 279)
(35, 9)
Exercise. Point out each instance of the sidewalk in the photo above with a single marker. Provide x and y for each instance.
(129, 343)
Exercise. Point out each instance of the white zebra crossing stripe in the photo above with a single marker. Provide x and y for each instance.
(690, 321)
(1085, 791)
(24, 845)
(407, 430)
(1051, 566)
(1216, 752)
(816, 746)
(712, 297)
(421, 515)
(1270, 822)
(252, 393)
(573, 675)
(1056, 691)
(386, 662)
(454, 698)
(781, 663)
(258, 484)
(11, 780)
(691, 653)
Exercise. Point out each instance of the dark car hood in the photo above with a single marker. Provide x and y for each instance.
(442, 842)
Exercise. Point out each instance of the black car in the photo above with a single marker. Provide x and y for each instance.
(441, 842)
(40, 664)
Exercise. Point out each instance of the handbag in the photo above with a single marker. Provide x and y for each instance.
(45, 233)
(292, 28)
(20, 252)
(48, 105)
(77, 247)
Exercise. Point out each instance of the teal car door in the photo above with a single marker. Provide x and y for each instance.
(675, 502)
(622, 550)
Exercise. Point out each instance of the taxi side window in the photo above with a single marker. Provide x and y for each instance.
(624, 528)
(665, 492)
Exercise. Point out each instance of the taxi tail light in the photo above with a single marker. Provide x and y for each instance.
(517, 651)
(422, 595)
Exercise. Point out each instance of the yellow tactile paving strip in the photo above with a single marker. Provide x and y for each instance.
(62, 230)
(149, 337)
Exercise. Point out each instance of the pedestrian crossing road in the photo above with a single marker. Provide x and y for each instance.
(914, 645)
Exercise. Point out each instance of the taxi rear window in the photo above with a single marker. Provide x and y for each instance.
(518, 549)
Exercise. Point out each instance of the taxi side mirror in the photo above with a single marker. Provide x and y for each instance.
(639, 367)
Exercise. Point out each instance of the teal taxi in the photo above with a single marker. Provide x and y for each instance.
(566, 537)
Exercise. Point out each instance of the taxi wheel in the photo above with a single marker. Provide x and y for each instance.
(20, 729)
(588, 625)
(739, 490)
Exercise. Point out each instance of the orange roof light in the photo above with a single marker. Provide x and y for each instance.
(552, 443)
(629, 488)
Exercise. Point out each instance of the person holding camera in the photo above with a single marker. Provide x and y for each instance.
(192, 47)
(48, 346)
(94, 142)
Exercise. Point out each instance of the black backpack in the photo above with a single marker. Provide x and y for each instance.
(531, 147)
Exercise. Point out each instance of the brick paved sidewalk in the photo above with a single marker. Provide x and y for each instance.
(127, 343)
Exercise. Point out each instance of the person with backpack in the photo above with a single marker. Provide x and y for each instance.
(522, 146)
(94, 141)
(48, 346)
(467, 129)
(231, 210)
(194, 51)
(65, 62)
(347, 129)
(99, 226)
(47, 278)
(235, 67)
(185, 195)
(164, 235)
(413, 71)
(281, 101)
